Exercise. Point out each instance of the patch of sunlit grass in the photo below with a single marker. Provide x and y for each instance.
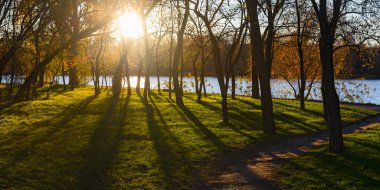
(75, 140)
(357, 168)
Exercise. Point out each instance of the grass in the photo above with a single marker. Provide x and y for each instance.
(357, 168)
(76, 141)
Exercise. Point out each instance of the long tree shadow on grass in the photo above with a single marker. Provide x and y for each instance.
(253, 105)
(177, 166)
(295, 123)
(180, 170)
(189, 115)
(209, 135)
(295, 108)
(354, 109)
(69, 114)
(186, 162)
(238, 119)
(352, 166)
(103, 145)
(248, 122)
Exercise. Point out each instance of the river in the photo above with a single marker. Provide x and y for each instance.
(358, 91)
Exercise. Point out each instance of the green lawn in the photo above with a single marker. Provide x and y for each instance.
(357, 168)
(76, 141)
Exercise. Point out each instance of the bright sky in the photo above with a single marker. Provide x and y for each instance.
(130, 25)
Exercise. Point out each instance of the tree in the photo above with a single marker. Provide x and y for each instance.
(177, 54)
(20, 95)
(75, 19)
(331, 18)
(211, 20)
(262, 54)
(22, 17)
(158, 37)
(286, 63)
(118, 74)
(234, 50)
(300, 31)
(201, 43)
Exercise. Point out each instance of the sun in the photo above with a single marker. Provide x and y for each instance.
(130, 25)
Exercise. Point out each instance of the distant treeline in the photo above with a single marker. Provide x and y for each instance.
(364, 64)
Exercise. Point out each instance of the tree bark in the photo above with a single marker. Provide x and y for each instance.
(118, 76)
(73, 70)
(158, 72)
(148, 61)
(177, 55)
(181, 75)
(218, 66)
(41, 78)
(129, 90)
(202, 78)
(300, 58)
(197, 88)
(331, 103)
(139, 73)
(233, 85)
(263, 63)
(171, 51)
(255, 76)
(63, 72)
(97, 67)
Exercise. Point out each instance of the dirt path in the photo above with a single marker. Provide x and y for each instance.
(257, 170)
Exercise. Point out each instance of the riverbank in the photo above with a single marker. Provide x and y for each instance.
(74, 140)
(358, 91)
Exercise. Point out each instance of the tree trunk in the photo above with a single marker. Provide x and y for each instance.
(41, 78)
(147, 79)
(158, 72)
(139, 77)
(235, 59)
(182, 64)
(170, 77)
(197, 88)
(177, 55)
(117, 77)
(301, 59)
(74, 79)
(331, 104)
(13, 75)
(233, 85)
(195, 79)
(263, 63)
(303, 83)
(171, 51)
(97, 85)
(106, 81)
(148, 61)
(255, 77)
(267, 105)
(7, 57)
(127, 74)
(330, 97)
(63, 72)
(97, 67)
(202, 82)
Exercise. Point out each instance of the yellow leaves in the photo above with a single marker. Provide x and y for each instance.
(286, 63)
